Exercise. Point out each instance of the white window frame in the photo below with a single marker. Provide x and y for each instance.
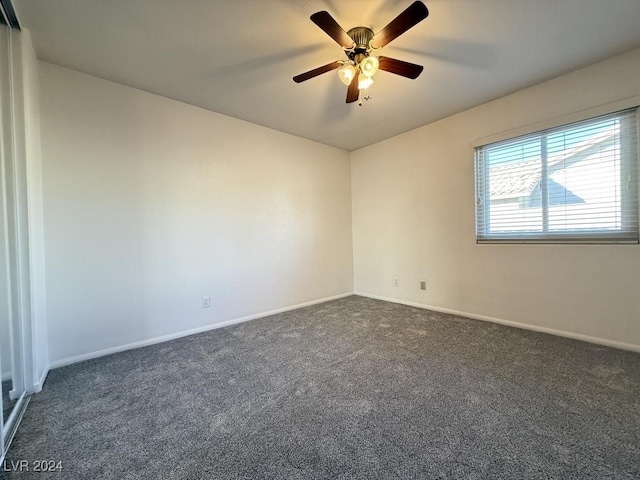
(629, 231)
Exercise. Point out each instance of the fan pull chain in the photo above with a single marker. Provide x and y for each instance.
(363, 95)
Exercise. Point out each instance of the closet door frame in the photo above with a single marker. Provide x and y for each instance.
(15, 236)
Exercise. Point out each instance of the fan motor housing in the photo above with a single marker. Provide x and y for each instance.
(361, 36)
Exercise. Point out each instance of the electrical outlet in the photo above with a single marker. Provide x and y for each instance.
(206, 301)
(423, 284)
(396, 282)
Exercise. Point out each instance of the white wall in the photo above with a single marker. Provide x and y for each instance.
(413, 217)
(149, 204)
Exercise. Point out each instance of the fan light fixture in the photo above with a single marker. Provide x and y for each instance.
(346, 73)
(365, 70)
(364, 81)
(369, 66)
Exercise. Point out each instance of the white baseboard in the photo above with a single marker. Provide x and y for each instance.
(37, 388)
(510, 323)
(185, 333)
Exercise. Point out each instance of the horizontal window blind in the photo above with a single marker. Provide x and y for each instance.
(574, 183)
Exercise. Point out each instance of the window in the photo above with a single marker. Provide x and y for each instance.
(574, 183)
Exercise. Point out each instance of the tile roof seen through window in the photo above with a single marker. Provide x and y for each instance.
(519, 179)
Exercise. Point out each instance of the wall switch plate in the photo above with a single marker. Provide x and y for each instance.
(206, 301)
(423, 284)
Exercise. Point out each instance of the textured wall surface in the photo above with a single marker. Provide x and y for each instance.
(413, 218)
(151, 204)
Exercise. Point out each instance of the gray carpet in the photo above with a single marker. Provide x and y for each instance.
(355, 388)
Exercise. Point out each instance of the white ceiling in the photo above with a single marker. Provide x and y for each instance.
(238, 57)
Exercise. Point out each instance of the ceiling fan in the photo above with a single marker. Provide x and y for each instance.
(359, 43)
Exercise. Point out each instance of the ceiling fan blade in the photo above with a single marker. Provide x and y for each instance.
(406, 69)
(353, 92)
(331, 28)
(414, 14)
(317, 71)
